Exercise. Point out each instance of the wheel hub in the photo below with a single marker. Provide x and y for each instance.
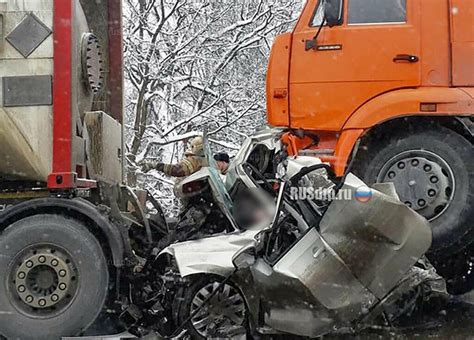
(224, 311)
(424, 181)
(43, 278)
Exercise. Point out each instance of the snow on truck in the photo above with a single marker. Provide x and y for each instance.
(386, 86)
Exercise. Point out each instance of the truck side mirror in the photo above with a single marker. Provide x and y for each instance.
(333, 12)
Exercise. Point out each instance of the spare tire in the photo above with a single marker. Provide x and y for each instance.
(54, 278)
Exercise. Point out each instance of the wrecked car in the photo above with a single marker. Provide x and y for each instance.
(316, 265)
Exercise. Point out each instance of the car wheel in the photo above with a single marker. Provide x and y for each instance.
(223, 315)
(55, 278)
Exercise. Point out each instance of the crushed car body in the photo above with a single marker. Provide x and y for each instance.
(334, 275)
(309, 266)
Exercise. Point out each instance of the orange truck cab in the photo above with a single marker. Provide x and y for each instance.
(387, 88)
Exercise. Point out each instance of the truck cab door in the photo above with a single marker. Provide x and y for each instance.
(375, 48)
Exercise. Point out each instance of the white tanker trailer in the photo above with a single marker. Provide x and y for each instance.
(64, 240)
(41, 77)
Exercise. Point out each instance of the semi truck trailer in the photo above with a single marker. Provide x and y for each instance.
(65, 238)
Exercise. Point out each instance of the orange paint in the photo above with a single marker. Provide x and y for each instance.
(341, 93)
(277, 82)
(462, 39)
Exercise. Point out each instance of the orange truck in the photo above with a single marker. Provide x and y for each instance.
(384, 88)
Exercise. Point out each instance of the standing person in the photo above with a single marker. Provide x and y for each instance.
(196, 212)
(193, 215)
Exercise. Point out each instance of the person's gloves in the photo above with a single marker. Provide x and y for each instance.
(147, 166)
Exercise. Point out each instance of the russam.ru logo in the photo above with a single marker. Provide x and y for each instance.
(363, 194)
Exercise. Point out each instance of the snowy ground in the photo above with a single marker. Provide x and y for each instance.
(441, 319)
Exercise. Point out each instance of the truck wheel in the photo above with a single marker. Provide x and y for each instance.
(224, 314)
(54, 278)
(432, 172)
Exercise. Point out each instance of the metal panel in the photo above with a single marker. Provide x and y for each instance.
(28, 35)
(104, 148)
(27, 91)
(462, 42)
(378, 240)
(1, 30)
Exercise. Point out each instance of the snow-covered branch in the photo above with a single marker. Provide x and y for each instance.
(194, 66)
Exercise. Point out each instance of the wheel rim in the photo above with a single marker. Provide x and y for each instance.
(42, 281)
(424, 181)
(224, 311)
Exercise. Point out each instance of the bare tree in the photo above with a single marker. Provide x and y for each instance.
(197, 65)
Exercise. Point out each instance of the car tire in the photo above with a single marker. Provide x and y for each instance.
(453, 228)
(55, 278)
(194, 292)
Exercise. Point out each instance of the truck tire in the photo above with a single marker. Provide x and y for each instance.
(433, 173)
(54, 278)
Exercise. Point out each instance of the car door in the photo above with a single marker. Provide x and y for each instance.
(374, 49)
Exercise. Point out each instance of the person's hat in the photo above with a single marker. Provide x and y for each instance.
(196, 147)
(222, 157)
